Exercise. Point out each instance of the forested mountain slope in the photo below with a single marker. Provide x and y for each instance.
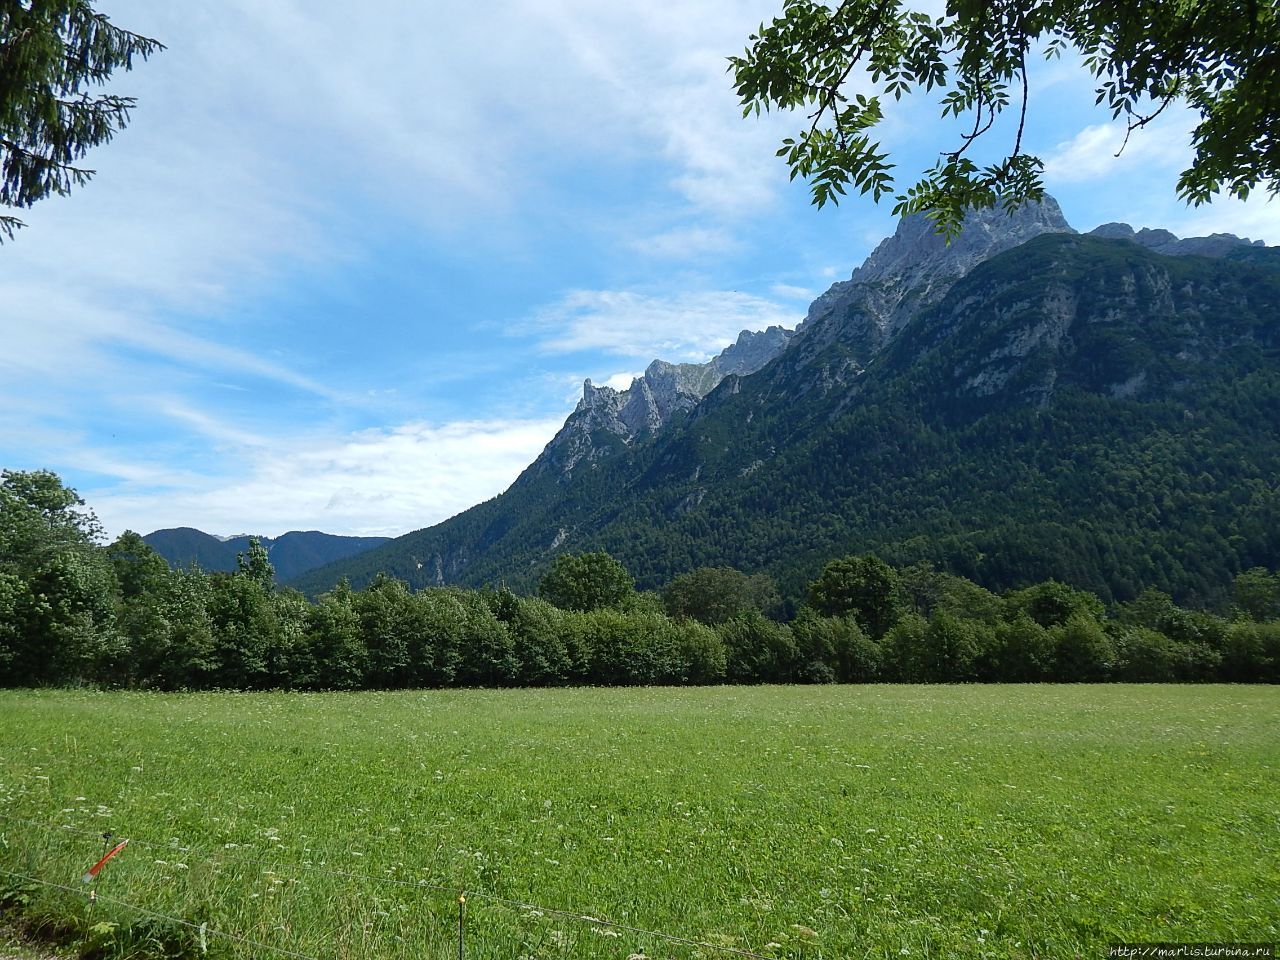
(1078, 407)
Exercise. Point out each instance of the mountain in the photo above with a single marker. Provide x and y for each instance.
(606, 418)
(1026, 403)
(292, 554)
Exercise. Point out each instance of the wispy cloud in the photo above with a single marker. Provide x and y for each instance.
(685, 243)
(1100, 151)
(662, 78)
(790, 292)
(1155, 155)
(684, 327)
(1257, 218)
(374, 482)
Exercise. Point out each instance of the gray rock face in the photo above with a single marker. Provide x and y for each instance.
(1162, 241)
(1113, 231)
(909, 271)
(914, 269)
(751, 351)
(605, 417)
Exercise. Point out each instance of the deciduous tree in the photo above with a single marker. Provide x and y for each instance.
(586, 581)
(59, 588)
(844, 65)
(713, 595)
(864, 587)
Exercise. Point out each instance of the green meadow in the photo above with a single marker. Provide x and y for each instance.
(826, 821)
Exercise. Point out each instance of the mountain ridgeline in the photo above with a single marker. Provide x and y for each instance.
(292, 554)
(1024, 404)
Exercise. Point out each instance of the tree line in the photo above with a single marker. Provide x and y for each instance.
(74, 611)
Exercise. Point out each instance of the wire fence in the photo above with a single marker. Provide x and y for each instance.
(203, 930)
(459, 920)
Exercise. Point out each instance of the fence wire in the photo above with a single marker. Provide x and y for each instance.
(204, 930)
(455, 891)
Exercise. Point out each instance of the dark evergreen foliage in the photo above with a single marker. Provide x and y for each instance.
(53, 53)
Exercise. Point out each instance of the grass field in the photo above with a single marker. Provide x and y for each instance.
(887, 821)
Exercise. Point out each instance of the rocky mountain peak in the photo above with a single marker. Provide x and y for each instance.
(917, 252)
(605, 416)
(914, 269)
(752, 350)
(908, 272)
(1162, 241)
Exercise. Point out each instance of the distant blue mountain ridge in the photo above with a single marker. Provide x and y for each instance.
(292, 554)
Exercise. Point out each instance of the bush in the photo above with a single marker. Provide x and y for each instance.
(337, 645)
(905, 650)
(702, 652)
(835, 648)
(1083, 653)
(1252, 653)
(758, 650)
(486, 649)
(1052, 604)
(1147, 656)
(1022, 653)
(952, 648)
(627, 649)
(541, 633)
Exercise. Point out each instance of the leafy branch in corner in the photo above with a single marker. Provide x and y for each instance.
(841, 65)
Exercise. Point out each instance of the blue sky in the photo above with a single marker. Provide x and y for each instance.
(347, 272)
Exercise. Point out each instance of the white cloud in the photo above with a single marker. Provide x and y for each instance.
(370, 483)
(686, 243)
(1257, 218)
(660, 74)
(1092, 153)
(790, 292)
(620, 381)
(684, 327)
(265, 131)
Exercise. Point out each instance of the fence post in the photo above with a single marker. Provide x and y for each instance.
(462, 923)
(93, 876)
